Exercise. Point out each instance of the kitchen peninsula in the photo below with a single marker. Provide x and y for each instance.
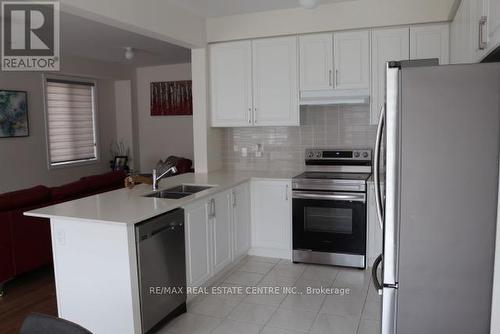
(94, 240)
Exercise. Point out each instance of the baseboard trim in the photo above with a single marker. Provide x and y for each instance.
(271, 252)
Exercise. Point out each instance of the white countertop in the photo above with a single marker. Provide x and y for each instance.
(129, 206)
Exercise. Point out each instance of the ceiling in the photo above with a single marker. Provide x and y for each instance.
(89, 39)
(214, 8)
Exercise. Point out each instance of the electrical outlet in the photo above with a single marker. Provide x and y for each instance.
(61, 237)
(244, 152)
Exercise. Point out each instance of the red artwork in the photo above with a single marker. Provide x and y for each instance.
(171, 98)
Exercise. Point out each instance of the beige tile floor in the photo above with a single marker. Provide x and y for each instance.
(355, 313)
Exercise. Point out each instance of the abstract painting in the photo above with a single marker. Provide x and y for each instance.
(171, 98)
(13, 114)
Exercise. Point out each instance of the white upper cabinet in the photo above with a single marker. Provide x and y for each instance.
(461, 48)
(475, 30)
(479, 23)
(430, 41)
(334, 62)
(254, 83)
(316, 61)
(231, 83)
(352, 60)
(488, 13)
(390, 44)
(275, 81)
(493, 20)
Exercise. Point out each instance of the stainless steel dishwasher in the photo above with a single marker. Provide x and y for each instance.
(162, 268)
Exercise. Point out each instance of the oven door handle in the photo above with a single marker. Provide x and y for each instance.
(343, 197)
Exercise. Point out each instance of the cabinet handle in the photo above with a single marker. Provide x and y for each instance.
(330, 78)
(482, 23)
(234, 199)
(336, 78)
(250, 115)
(286, 193)
(255, 116)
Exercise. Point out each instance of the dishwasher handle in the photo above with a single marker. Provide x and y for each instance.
(170, 227)
(169, 222)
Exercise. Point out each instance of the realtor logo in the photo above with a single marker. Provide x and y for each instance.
(30, 36)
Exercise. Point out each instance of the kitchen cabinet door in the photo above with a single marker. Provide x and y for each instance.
(241, 220)
(316, 61)
(231, 84)
(479, 27)
(492, 13)
(352, 60)
(221, 224)
(430, 41)
(387, 45)
(461, 40)
(272, 218)
(198, 244)
(275, 81)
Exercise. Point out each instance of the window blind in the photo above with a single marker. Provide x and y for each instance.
(71, 123)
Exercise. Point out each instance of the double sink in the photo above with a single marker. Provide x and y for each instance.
(180, 191)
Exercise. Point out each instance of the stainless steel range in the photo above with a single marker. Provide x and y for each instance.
(329, 207)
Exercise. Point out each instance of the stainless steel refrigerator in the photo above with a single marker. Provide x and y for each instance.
(437, 166)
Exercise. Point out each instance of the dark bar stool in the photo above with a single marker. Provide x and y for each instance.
(37, 323)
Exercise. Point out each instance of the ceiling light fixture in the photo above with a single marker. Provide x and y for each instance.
(129, 53)
(309, 4)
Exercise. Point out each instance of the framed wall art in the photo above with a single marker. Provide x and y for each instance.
(13, 114)
(171, 98)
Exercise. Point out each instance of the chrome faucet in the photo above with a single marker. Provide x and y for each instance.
(157, 177)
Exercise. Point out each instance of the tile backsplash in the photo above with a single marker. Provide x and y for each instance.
(282, 148)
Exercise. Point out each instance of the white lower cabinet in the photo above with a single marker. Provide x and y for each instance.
(221, 230)
(198, 243)
(272, 218)
(241, 220)
(217, 233)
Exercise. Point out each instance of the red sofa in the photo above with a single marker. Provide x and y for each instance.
(25, 242)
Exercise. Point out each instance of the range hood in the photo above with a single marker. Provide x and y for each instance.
(334, 97)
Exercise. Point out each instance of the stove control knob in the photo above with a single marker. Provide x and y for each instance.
(356, 154)
(318, 155)
(310, 154)
(365, 155)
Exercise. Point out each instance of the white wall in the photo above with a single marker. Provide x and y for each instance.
(153, 18)
(23, 161)
(161, 136)
(207, 140)
(124, 117)
(329, 17)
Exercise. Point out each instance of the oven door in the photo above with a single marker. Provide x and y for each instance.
(333, 222)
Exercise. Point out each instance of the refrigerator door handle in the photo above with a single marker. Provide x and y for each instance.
(376, 283)
(376, 163)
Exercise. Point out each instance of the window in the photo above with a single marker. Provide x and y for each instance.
(71, 127)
